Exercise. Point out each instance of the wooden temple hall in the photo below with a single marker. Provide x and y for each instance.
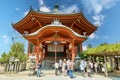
(54, 35)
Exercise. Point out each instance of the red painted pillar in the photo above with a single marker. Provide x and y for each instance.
(38, 50)
(37, 55)
(73, 50)
(41, 55)
(28, 48)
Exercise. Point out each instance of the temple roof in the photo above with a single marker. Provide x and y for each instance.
(35, 20)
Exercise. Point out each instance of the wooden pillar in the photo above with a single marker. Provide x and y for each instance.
(64, 51)
(46, 51)
(118, 63)
(41, 55)
(69, 51)
(73, 50)
(81, 47)
(106, 70)
(95, 59)
(37, 52)
(37, 55)
(28, 48)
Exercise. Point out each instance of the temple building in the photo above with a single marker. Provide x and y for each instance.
(54, 35)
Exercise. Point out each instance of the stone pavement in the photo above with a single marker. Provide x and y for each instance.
(49, 75)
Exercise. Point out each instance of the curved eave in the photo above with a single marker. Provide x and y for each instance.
(56, 26)
(93, 27)
(15, 25)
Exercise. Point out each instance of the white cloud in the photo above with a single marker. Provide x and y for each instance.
(84, 48)
(97, 6)
(70, 9)
(25, 13)
(43, 7)
(17, 9)
(98, 19)
(6, 39)
(65, 9)
(94, 36)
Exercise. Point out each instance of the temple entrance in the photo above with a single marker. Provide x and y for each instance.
(53, 52)
(58, 49)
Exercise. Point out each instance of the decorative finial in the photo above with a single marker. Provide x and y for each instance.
(56, 21)
(56, 8)
(31, 8)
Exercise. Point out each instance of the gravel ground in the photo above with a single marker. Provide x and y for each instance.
(51, 76)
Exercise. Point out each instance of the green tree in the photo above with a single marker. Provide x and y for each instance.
(89, 46)
(3, 59)
(16, 51)
(102, 44)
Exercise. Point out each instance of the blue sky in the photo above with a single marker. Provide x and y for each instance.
(103, 13)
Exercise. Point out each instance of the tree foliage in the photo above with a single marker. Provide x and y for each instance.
(104, 49)
(4, 57)
(16, 51)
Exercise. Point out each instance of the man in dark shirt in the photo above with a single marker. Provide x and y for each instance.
(39, 69)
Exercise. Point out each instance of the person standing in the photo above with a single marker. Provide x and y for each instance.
(64, 67)
(39, 65)
(82, 67)
(56, 68)
(96, 67)
(60, 66)
(67, 66)
(76, 65)
(88, 67)
(91, 66)
(71, 64)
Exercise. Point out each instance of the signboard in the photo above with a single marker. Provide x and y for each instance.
(16, 60)
(12, 59)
